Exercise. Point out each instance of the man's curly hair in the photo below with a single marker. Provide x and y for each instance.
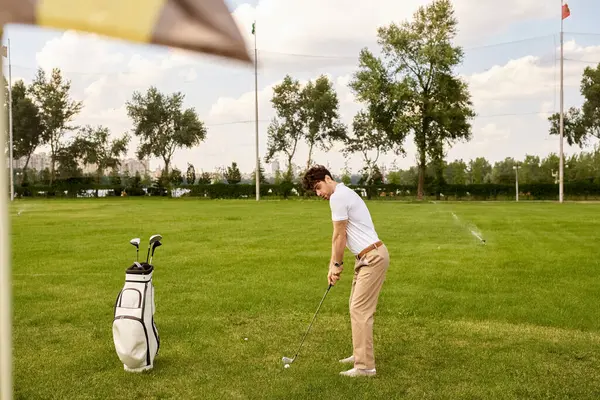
(314, 175)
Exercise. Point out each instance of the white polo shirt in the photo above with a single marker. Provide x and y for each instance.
(346, 204)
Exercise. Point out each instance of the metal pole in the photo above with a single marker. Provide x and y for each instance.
(257, 172)
(561, 122)
(5, 287)
(10, 128)
(517, 181)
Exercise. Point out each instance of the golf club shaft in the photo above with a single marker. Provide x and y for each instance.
(311, 323)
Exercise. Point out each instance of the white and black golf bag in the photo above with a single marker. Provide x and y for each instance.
(134, 332)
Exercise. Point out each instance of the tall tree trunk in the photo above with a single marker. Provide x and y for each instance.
(310, 149)
(167, 182)
(289, 173)
(52, 158)
(439, 177)
(422, 166)
(24, 178)
(422, 148)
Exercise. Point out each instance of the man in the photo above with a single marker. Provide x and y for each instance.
(353, 227)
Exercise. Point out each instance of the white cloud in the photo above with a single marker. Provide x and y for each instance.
(189, 75)
(530, 76)
(309, 24)
(81, 52)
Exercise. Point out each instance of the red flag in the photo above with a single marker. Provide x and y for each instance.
(565, 11)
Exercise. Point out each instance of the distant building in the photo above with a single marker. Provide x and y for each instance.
(39, 162)
(274, 167)
(134, 166)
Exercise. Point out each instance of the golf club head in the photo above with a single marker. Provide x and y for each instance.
(287, 360)
(154, 246)
(154, 238)
(136, 243)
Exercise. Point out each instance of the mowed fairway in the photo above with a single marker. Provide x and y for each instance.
(518, 317)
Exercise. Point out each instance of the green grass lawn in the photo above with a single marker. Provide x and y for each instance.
(518, 317)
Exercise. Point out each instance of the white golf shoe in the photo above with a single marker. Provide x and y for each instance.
(355, 372)
(349, 360)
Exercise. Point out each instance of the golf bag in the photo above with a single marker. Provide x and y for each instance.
(134, 333)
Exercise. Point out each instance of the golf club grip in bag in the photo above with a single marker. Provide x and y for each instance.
(134, 333)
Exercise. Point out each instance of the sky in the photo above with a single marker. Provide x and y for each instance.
(511, 64)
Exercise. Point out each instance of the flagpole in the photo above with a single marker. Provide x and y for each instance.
(561, 122)
(257, 172)
(10, 127)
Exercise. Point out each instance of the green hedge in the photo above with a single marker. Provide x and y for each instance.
(73, 188)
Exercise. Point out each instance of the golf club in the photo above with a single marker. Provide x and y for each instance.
(136, 243)
(287, 360)
(154, 246)
(153, 238)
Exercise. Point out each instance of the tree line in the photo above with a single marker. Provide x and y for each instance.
(411, 88)
(43, 113)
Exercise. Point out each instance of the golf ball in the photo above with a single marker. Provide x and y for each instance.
(286, 366)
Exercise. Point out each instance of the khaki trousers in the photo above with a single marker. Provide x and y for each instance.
(369, 275)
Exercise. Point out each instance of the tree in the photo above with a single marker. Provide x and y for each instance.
(287, 127)
(581, 123)
(503, 172)
(478, 170)
(529, 170)
(456, 173)
(574, 129)
(320, 115)
(136, 183)
(261, 175)
(147, 179)
(163, 126)
(366, 139)
(56, 109)
(97, 148)
(45, 176)
(190, 174)
(549, 169)
(115, 177)
(413, 88)
(346, 174)
(175, 177)
(371, 175)
(126, 178)
(68, 158)
(394, 178)
(278, 179)
(233, 174)
(27, 124)
(204, 178)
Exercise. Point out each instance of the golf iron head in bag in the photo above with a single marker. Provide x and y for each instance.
(286, 360)
(153, 239)
(154, 246)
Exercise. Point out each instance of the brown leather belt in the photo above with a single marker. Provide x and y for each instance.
(373, 246)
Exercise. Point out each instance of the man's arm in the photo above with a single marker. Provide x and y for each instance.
(339, 215)
(338, 245)
(338, 241)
